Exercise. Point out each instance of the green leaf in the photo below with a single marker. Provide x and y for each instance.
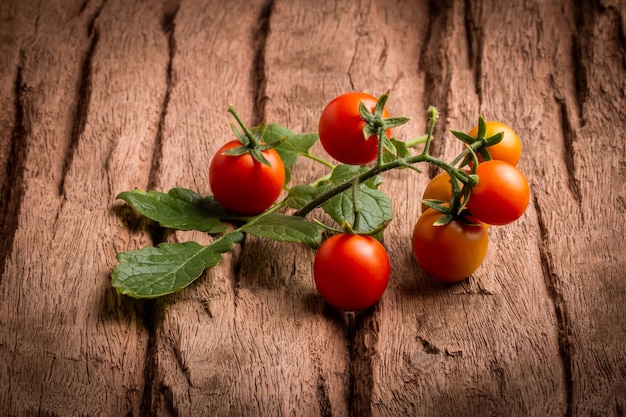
(155, 271)
(178, 209)
(286, 228)
(288, 144)
(274, 132)
(301, 195)
(375, 208)
(294, 146)
(344, 172)
(401, 148)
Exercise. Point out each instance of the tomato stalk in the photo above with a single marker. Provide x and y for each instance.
(458, 175)
(249, 142)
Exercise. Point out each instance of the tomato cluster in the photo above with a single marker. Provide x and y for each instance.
(450, 238)
(452, 250)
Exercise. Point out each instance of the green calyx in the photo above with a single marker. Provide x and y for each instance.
(250, 140)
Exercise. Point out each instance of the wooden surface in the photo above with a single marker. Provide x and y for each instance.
(98, 97)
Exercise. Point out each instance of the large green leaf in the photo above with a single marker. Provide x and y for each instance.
(155, 271)
(294, 146)
(178, 209)
(289, 145)
(285, 228)
(301, 195)
(374, 208)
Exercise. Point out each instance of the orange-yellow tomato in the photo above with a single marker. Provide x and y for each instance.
(450, 252)
(509, 149)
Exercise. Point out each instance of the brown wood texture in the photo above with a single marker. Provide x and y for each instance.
(99, 97)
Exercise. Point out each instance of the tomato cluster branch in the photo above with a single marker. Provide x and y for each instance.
(457, 175)
(154, 271)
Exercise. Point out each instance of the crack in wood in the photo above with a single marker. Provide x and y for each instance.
(362, 332)
(580, 47)
(12, 191)
(434, 60)
(474, 36)
(82, 102)
(322, 395)
(168, 26)
(259, 77)
(560, 309)
(569, 137)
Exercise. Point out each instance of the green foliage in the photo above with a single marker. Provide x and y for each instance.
(155, 271)
(178, 209)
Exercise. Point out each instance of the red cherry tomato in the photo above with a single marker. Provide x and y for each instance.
(509, 149)
(341, 129)
(351, 271)
(501, 195)
(241, 184)
(451, 252)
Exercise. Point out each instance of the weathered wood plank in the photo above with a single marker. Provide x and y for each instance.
(473, 348)
(247, 338)
(581, 211)
(88, 121)
(101, 97)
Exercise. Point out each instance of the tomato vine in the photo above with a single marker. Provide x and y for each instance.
(348, 193)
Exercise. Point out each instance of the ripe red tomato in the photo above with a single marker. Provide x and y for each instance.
(241, 184)
(509, 149)
(451, 252)
(341, 129)
(439, 188)
(351, 271)
(501, 195)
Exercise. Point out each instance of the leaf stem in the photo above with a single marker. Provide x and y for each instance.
(356, 204)
(318, 159)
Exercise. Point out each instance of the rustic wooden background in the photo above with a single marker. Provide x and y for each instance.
(102, 96)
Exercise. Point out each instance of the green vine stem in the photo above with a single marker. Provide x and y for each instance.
(459, 174)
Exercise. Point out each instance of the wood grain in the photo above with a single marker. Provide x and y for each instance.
(99, 97)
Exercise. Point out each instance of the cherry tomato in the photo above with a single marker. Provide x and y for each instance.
(439, 188)
(451, 252)
(351, 271)
(509, 149)
(341, 129)
(241, 184)
(501, 195)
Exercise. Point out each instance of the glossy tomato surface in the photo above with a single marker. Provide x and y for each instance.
(241, 184)
(450, 252)
(341, 129)
(509, 149)
(351, 271)
(501, 195)
(439, 188)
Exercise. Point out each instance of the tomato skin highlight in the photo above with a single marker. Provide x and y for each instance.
(351, 271)
(451, 252)
(509, 149)
(341, 129)
(243, 185)
(501, 195)
(439, 188)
